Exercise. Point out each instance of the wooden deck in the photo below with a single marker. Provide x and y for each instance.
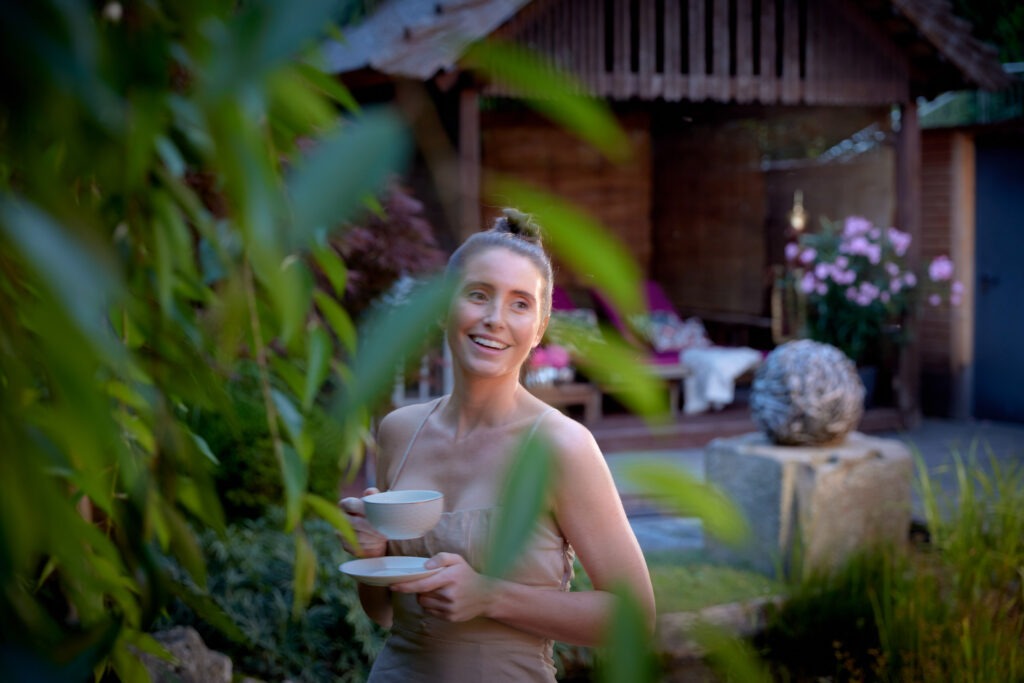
(625, 432)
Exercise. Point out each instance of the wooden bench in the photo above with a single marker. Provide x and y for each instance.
(562, 396)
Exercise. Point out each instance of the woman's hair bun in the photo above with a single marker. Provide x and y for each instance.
(515, 222)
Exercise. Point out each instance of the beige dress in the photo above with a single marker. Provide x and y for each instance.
(424, 648)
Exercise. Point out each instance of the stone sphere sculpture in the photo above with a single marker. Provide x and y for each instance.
(807, 393)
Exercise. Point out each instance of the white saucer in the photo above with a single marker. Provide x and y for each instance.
(384, 571)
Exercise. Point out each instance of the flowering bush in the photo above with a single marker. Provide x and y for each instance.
(858, 287)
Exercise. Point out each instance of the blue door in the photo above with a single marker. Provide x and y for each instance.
(999, 285)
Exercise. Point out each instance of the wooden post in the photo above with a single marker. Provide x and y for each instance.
(908, 218)
(962, 240)
(469, 162)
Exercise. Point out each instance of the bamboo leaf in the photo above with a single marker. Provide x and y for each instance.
(329, 86)
(78, 275)
(628, 655)
(676, 490)
(390, 337)
(185, 546)
(729, 655)
(338, 320)
(523, 501)
(348, 165)
(304, 578)
(294, 476)
(294, 424)
(606, 261)
(332, 266)
(318, 358)
(330, 513)
(551, 92)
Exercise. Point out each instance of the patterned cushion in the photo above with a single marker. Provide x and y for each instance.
(664, 331)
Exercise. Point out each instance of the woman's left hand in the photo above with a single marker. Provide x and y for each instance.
(456, 593)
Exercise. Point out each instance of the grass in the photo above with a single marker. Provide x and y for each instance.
(948, 608)
(683, 582)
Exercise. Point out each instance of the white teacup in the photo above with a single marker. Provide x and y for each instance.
(404, 514)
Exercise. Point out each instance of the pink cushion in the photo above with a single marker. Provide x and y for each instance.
(560, 300)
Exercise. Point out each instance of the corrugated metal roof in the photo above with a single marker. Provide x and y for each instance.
(417, 38)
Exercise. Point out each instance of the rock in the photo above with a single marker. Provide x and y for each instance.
(194, 662)
(811, 505)
(807, 393)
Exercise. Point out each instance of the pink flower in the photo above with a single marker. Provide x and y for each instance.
(842, 262)
(807, 283)
(940, 269)
(808, 255)
(934, 299)
(792, 250)
(892, 269)
(957, 287)
(822, 271)
(909, 279)
(856, 225)
(955, 299)
(539, 358)
(895, 285)
(821, 289)
(899, 240)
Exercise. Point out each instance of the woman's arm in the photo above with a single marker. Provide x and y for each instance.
(375, 600)
(590, 514)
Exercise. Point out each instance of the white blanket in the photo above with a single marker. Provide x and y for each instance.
(712, 380)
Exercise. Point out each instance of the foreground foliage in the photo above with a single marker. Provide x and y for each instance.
(950, 609)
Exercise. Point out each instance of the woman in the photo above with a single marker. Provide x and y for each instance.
(457, 625)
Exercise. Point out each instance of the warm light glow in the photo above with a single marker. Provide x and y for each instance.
(798, 216)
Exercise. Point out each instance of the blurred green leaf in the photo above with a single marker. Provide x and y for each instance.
(389, 339)
(351, 163)
(79, 277)
(329, 512)
(627, 652)
(675, 489)
(616, 366)
(332, 265)
(305, 573)
(553, 93)
(730, 656)
(605, 261)
(295, 475)
(294, 286)
(185, 546)
(523, 501)
(338, 320)
(318, 356)
(294, 424)
(330, 86)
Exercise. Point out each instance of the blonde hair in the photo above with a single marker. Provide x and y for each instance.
(519, 233)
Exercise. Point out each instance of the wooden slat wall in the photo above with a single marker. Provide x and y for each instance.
(838, 57)
(618, 195)
(709, 218)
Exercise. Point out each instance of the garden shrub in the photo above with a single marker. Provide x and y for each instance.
(250, 573)
(248, 477)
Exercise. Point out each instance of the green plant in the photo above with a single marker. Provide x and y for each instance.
(951, 609)
(250, 579)
(859, 287)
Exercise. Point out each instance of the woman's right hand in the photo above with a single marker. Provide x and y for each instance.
(371, 542)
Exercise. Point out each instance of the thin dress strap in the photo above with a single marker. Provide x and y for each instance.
(408, 448)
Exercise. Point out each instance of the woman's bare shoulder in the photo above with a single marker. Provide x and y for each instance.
(569, 438)
(401, 422)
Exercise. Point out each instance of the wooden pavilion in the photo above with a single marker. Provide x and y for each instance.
(731, 106)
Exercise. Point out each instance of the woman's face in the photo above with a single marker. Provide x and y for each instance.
(496, 315)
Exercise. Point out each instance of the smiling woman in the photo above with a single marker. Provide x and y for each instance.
(467, 621)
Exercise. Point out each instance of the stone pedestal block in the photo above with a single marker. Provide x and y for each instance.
(813, 505)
